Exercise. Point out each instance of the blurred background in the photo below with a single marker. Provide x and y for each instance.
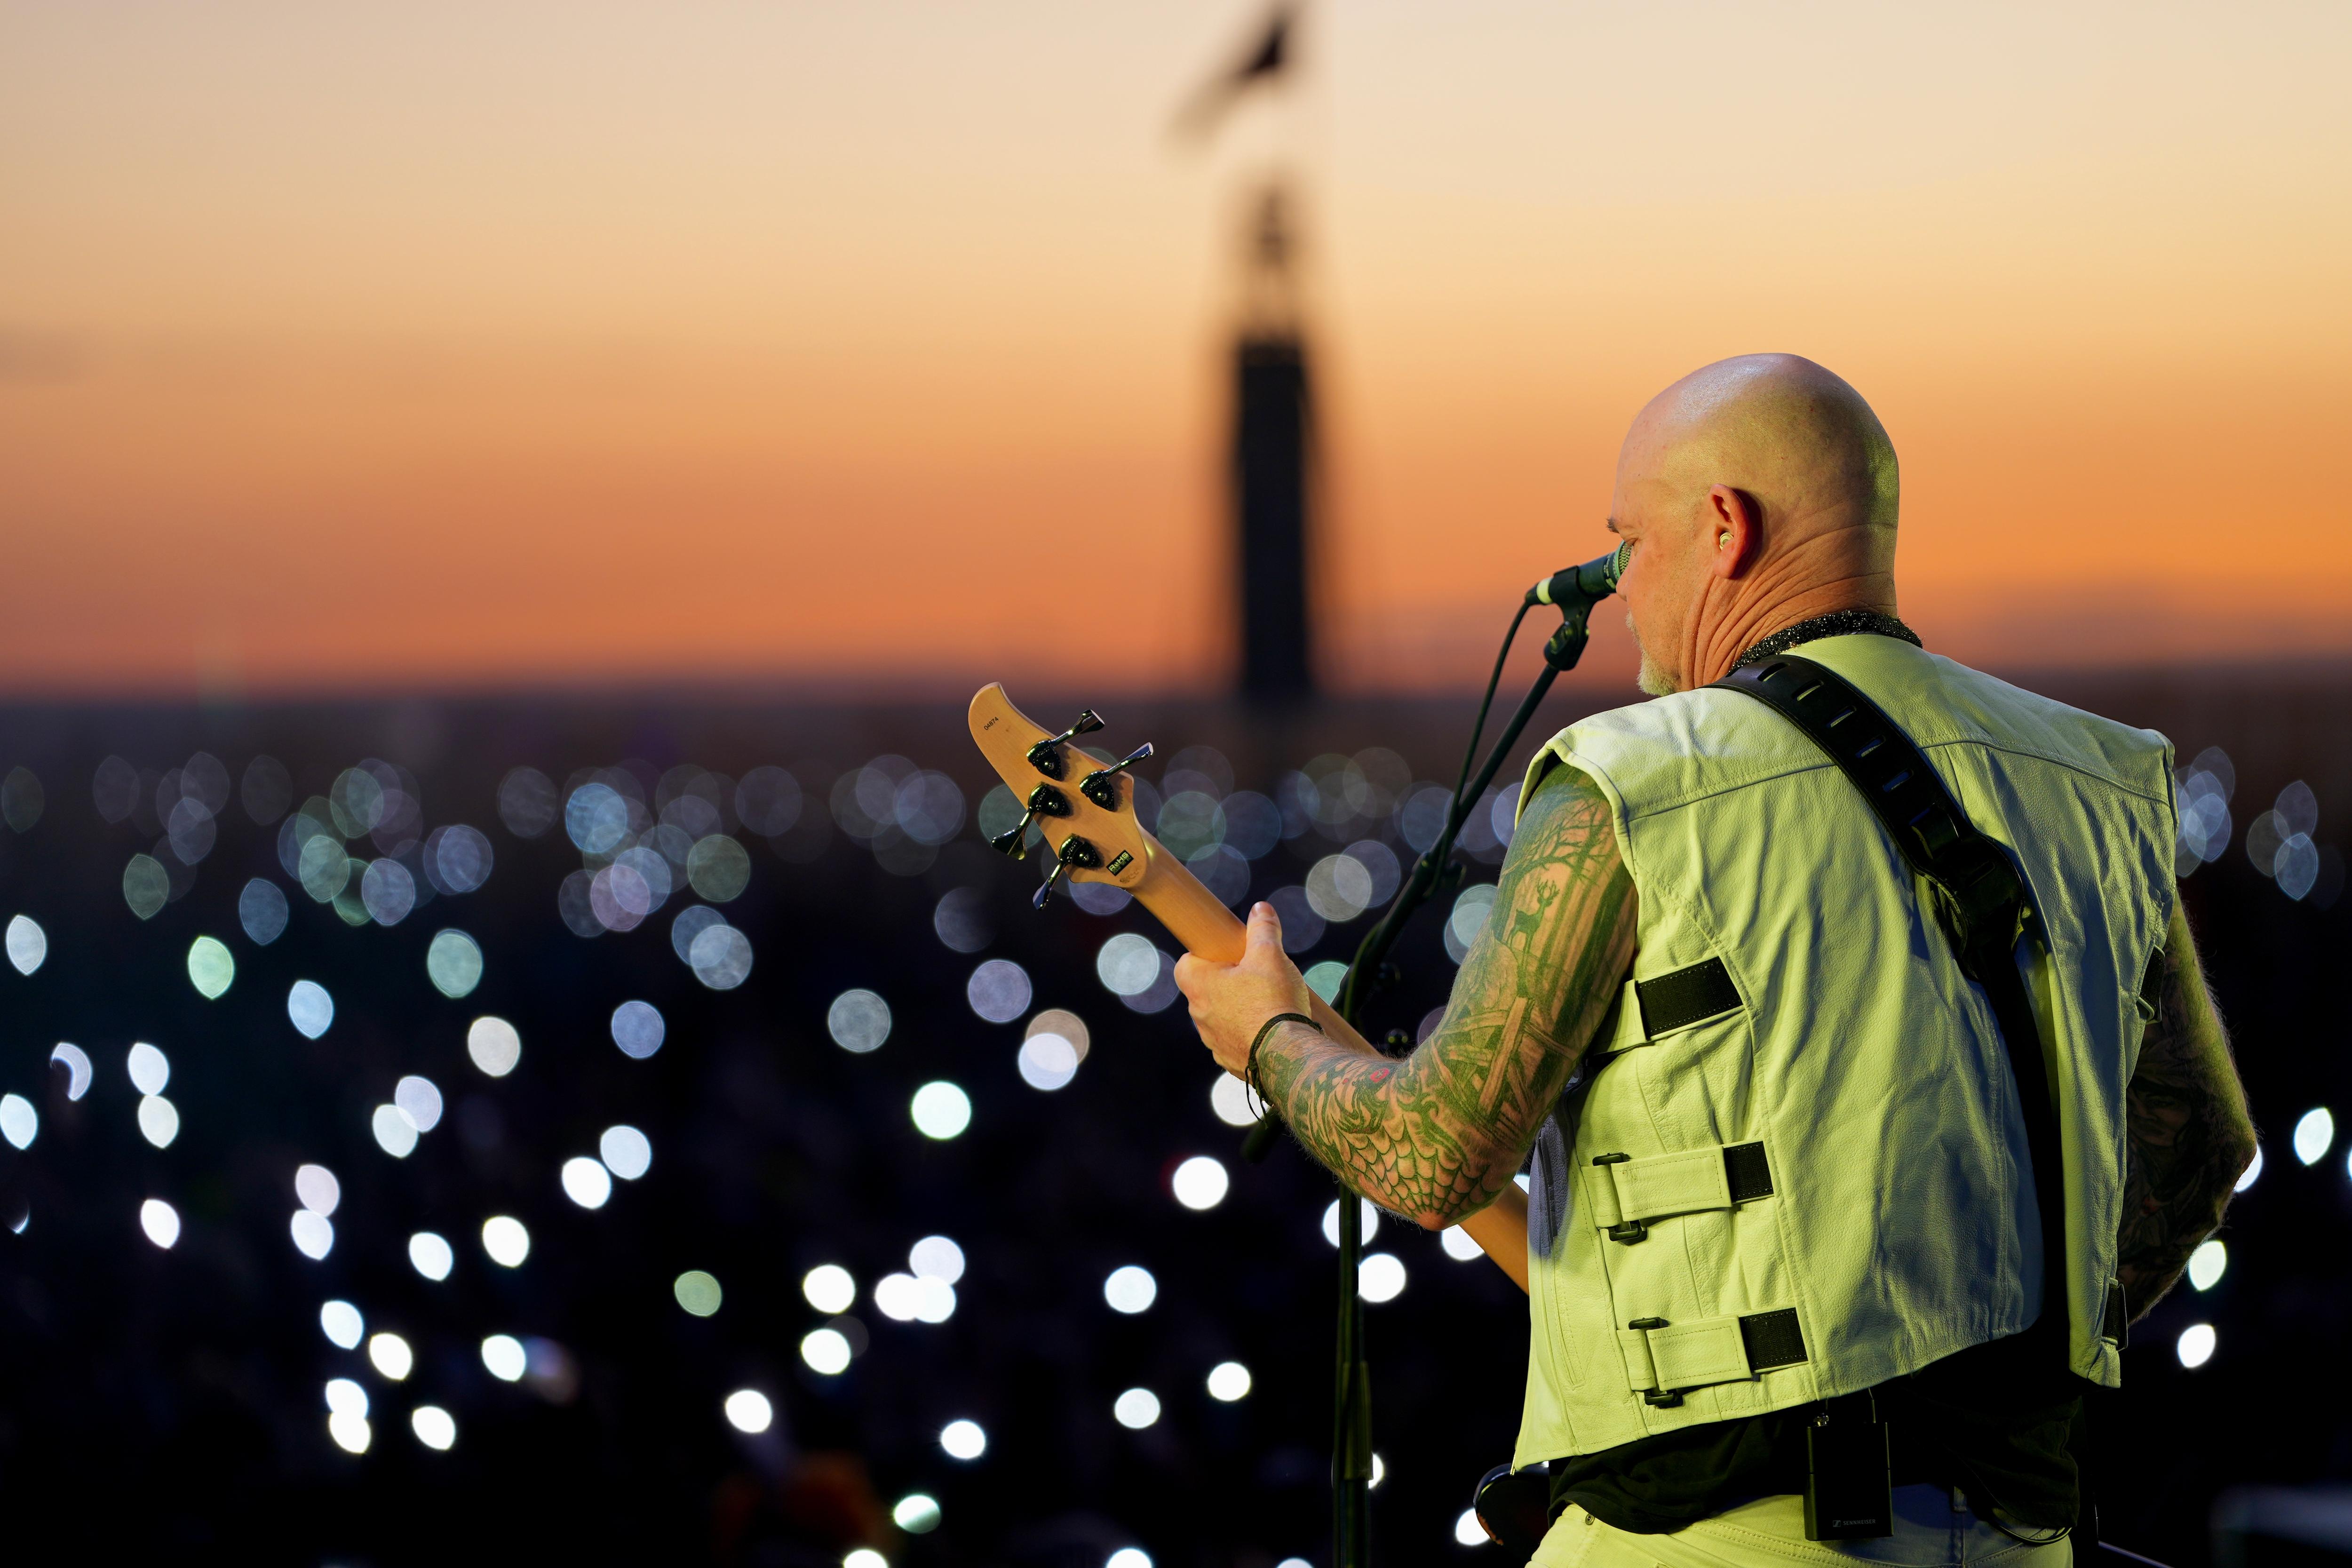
(515, 1042)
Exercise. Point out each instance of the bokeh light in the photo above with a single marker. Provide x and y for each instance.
(158, 1121)
(343, 1324)
(639, 1029)
(941, 1109)
(430, 1254)
(1200, 1183)
(1229, 1381)
(698, 1292)
(434, 1427)
(1459, 1245)
(627, 1152)
(2196, 1345)
(161, 1221)
(494, 1045)
(2206, 1265)
(963, 1440)
(916, 1513)
(858, 1021)
(1381, 1277)
(998, 990)
(1229, 1097)
(748, 1410)
(314, 1234)
(1130, 1289)
(261, 910)
(829, 1288)
(507, 1240)
(504, 1358)
(388, 1354)
(395, 1134)
(1135, 1408)
(1047, 1061)
(150, 1070)
(826, 1352)
(453, 963)
(418, 1100)
(586, 1182)
(2314, 1133)
(27, 944)
(19, 1122)
(310, 1008)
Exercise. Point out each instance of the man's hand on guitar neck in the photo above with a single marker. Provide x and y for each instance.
(1438, 1135)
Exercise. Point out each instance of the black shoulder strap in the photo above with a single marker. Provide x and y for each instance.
(1978, 898)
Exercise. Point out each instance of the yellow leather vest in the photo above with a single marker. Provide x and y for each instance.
(1794, 1165)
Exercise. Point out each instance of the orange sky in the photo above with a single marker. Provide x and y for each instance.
(379, 346)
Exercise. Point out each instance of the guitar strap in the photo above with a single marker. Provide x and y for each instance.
(1979, 901)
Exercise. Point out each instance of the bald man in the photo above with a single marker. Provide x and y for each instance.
(1781, 1188)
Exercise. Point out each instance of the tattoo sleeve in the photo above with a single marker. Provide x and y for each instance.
(1438, 1136)
(2187, 1134)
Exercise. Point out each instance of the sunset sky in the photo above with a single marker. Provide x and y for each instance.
(877, 345)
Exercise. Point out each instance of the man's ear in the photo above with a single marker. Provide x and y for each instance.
(1738, 524)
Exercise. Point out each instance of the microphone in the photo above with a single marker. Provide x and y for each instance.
(1582, 587)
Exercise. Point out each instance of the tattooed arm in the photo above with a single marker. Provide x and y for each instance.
(2187, 1134)
(1438, 1135)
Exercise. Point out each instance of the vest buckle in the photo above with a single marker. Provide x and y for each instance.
(1627, 1231)
(1655, 1398)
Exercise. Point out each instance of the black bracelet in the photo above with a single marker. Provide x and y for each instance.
(1249, 1068)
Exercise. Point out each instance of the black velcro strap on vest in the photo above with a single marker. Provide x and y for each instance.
(1745, 1168)
(1979, 900)
(1685, 996)
(1773, 1339)
(2116, 1323)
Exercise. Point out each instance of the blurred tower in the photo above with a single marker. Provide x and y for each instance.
(1270, 468)
(1272, 471)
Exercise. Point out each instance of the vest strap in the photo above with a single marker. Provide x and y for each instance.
(1979, 898)
(1629, 1192)
(1670, 1001)
(1665, 1361)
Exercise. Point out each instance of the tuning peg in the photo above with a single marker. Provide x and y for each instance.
(1096, 786)
(1045, 756)
(1075, 851)
(1044, 800)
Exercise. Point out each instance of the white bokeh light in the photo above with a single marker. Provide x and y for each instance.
(507, 1239)
(829, 1288)
(504, 1358)
(345, 1397)
(2207, 1264)
(1459, 1245)
(748, 1410)
(1200, 1183)
(936, 1258)
(1468, 1531)
(341, 1323)
(161, 1221)
(826, 1351)
(1046, 1062)
(151, 1070)
(916, 1513)
(1136, 1409)
(315, 1189)
(19, 1122)
(314, 1234)
(1128, 1557)
(1229, 1381)
(310, 1008)
(941, 1109)
(2313, 1134)
(627, 1152)
(1380, 1278)
(418, 1100)
(586, 1182)
(159, 1119)
(2196, 1345)
(963, 1440)
(859, 1021)
(395, 1134)
(430, 1254)
(351, 1433)
(1130, 1289)
(2252, 1171)
(494, 1046)
(390, 1355)
(434, 1427)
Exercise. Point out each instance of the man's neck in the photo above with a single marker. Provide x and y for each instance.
(1728, 639)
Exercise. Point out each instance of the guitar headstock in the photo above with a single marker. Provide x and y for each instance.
(1084, 806)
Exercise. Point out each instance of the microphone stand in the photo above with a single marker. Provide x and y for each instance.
(1351, 1419)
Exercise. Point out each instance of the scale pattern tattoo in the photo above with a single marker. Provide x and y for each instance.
(2187, 1134)
(1438, 1136)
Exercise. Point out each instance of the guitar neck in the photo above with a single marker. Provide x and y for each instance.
(1193, 915)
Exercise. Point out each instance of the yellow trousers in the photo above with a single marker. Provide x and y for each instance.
(1932, 1529)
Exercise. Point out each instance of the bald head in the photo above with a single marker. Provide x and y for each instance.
(1758, 491)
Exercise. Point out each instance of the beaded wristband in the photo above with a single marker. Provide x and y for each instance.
(1249, 1068)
